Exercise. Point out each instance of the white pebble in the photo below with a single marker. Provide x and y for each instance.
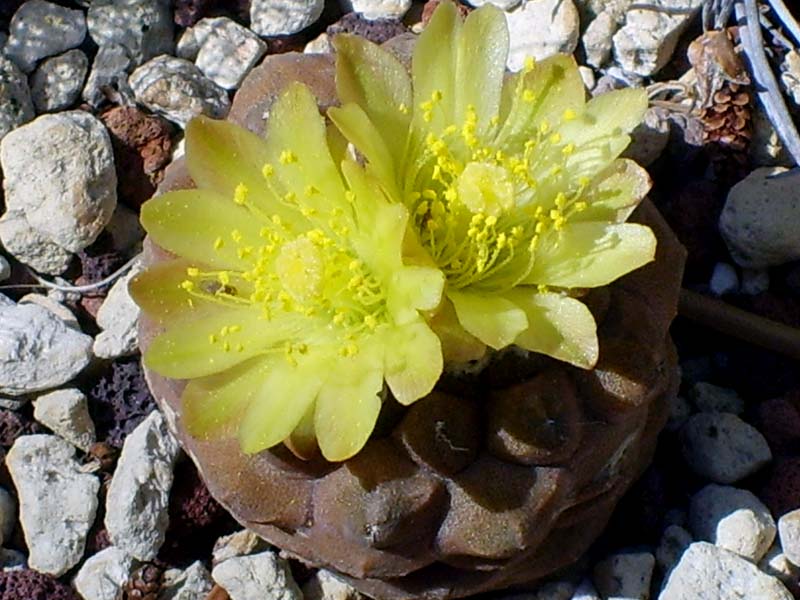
(66, 413)
(102, 576)
(540, 29)
(263, 575)
(723, 279)
(268, 17)
(625, 575)
(789, 530)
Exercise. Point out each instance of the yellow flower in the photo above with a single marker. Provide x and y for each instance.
(288, 304)
(513, 183)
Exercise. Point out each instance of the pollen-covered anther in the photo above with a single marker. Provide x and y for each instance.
(240, 194)
(287, 157)
(300, 268)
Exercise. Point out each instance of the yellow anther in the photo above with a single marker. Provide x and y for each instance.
(528, 96)
(539, 227)
(188, 285)
(338, 318)
(370, 321)
(354, 265)
(308, 211)
(225, 330)
(568, 149)
(494, 121)
(436, 96)
(235, 328)
(477, 218)
(561, 200)
(580, 206)
(239, 347)
(276, 220)
(193, 272)
(584, 181)
(226, 346)
(218, 243)
(350, 196)
(501, 241)
(212, 339)
(240, 194)
(403, 108)
(310, 190)
(530, 64)
(555, 138)
(287, 157)
(569, 115)
(348, 350)
(236, 235)
(544, 127)
(426, 106)
(422, 208)
(224, 277)
(451, 195)
(267, 171)
(491, 221)
(541, 288)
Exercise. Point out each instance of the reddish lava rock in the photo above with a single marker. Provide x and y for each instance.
(14, 423)
(142, 148)
(27, 584)
(377, 31)
(781, 490)
(779, 421)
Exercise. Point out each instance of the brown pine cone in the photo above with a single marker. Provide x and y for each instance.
(144, 583)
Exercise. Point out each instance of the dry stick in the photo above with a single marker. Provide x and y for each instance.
(769, 94)
(741, 324)
(786, 18)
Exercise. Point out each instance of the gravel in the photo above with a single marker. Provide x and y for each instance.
(263, 574)
(57, 82)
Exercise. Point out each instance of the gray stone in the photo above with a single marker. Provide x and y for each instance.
(789, 529)
(57, 502)
(39, 29)
(30, 247)
(239, 543)
(777, 565)
(38, 351)
(706, 572)
(541, 29)
(108, 78)
(708, 397)
(268, 17)
(16, 106)
(102, 576)
(192, 583)
(723, 279)
(650, 137)
(12, 560)
(263, 575)
(177, 89)
(598, 37)
(5, 268)
(8, 515)
(125, 229)
(393, 9)
(54, 306)
(647, 40)
(722, 447)
(142, 27)
(674, 542)
(227, 51)
(761, 218)
(118, 317)
(625, 576)
(138, 497)
(66, 413)
(754, 281)
(733, 519)
(57, 82)
(59, 172)
(324, 585)
(585, 591)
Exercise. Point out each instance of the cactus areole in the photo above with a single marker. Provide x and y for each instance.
(411, 322)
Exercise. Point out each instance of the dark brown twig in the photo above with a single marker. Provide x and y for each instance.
(741, 324)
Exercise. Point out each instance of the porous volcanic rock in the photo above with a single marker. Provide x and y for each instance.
(404, 520)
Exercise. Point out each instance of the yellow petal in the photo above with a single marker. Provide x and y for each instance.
(413, 361)
(494, 320)
(372, 78)
(283, 397)
(189, 223)
(586, 255)
(558, 326)
(348, 405)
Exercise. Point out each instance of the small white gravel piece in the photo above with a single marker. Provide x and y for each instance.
(66, 413)
(16, 106)
(263, 575)
(54, 306)
(142, 27)
(109, 76)
(57, 501)
(383, 9)
(118, 318)
(324, 585)
(38, 351)
(722, 447)
(625, 575)
(5, 268)
(540, 29)
(706, 572)
(102, 576)
(57, 83)
(39, 29)
(503, 4)
(177, 89)
(674, 542)
(227, 51)
(761, 218)
(239, 543)
(138, 497)
(724, 279)
(708, 397)
(647, 40)
(789, 530)
(733, 519)
(30, 247)
(777, 565)
(598, 37)
(59, 172)
(192, 583)
(8, 515)
(268, 17)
